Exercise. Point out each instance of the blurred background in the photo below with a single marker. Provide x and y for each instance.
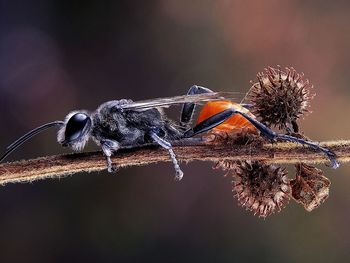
(56, 56)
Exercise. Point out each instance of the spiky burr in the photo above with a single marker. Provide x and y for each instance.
(280, 97)
(259, 187)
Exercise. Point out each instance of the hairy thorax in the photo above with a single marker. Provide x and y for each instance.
(128, 127)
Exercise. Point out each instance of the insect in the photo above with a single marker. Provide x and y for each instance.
(123, 123)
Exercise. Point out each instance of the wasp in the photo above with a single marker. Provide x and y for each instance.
(119, 124)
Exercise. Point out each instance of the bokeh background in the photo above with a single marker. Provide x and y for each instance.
(56, 56)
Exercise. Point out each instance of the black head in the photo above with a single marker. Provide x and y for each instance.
(76, 131)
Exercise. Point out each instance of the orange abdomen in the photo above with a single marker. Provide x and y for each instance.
(234, 124)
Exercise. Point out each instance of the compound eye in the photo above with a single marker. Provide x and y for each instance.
(76, 126)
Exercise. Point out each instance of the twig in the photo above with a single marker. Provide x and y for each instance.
(63, 165)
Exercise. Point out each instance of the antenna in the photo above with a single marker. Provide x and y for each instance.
(27, 136)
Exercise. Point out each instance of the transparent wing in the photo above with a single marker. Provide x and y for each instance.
(166, 102)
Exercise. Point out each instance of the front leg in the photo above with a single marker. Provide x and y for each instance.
(108, 148)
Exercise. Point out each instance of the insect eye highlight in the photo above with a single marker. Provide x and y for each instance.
(77, 126)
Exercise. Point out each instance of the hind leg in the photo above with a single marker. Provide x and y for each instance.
(220, 117)
(188, 108)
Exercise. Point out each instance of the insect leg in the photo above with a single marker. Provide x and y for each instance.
(270, 134)
(108, 147)
(167, 145)
(220, 117)
(188, 108)
(209, 123)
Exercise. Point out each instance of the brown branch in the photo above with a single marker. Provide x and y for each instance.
(62, 165)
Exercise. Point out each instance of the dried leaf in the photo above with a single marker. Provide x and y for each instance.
(310, 187)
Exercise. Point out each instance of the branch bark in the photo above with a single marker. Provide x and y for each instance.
(62, 165)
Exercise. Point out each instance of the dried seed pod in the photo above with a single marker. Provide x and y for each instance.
(279, 98)
(310, 187)
(259, 187)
